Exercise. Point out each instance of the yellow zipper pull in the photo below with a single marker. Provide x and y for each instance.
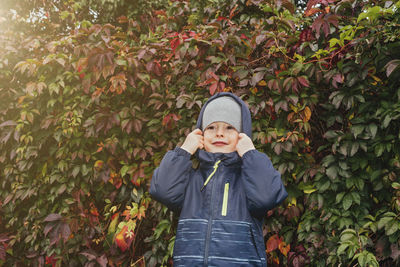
(211, 174)
(225, 200)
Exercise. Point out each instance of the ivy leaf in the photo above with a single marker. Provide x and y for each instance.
(303, 81)
(356, 197)
(357, 129)
(273, 243)
(347, 201)
(8, 123)
(53, 217)
(332, 172)
(372, 128)
(102, 260)
(391, 66)
(89, 255)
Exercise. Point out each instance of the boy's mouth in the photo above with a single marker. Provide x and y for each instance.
(219, 143)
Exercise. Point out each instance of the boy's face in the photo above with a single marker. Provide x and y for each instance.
(220, 137)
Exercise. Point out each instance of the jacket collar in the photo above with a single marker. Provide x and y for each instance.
(208, 158)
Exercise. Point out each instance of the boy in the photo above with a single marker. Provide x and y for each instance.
(223, 202)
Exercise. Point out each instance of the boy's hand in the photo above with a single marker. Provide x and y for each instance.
(193, 141)
(244, 144)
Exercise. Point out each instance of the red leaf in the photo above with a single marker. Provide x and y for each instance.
(213, 88)
(53, 217)
(174, 44)
(222, 85)
(303, 81)
(316, 26)
(272, 243)
(120, 239)
(65, 231)
(157, 69)
(8, 123)
(55, 235)
(4, 238)
(102, 260)
(312, 11)
(243, 36)
(141, 54)
(208, 81)
(232, 13)
(214, 76)
(48, 228)
(89, 256)
(2, 253)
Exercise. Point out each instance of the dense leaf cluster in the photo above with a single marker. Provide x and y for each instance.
(93, 93)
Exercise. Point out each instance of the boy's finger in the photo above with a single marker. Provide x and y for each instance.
(198, 131)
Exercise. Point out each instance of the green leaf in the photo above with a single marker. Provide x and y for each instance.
(362, 259)
(347, 201)
(379, 148)
(75, 171)
(328, 160)
(324, 186)
(330, 134)
(372, 128)
(121, 62)
(384, 221)
(356, 197)
(339, 197)
(392, 227)
(357, 129)
(354, 148)
(342, 248)
(124, 170)
(331, 172)
(359, 183)
(396, 185)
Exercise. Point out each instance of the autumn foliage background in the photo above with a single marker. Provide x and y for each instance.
(93, 93)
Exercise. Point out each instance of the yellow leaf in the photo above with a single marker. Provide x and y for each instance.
(309, 191)
(375, 78)
(307, 114)
(284, 248)
(262, 83)
(293, 202)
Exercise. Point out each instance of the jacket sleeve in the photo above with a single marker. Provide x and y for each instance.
(170, 179)
(263, 185)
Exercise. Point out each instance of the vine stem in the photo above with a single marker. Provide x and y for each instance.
(134, 264)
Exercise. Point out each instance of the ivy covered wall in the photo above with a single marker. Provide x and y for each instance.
(93, 93)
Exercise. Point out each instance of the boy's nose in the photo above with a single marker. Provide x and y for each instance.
(220, 131)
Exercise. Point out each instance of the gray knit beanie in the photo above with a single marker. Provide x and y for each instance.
(223, 109)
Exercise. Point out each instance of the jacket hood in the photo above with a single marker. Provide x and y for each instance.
(246, 116)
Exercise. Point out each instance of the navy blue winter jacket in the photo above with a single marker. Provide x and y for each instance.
(220, 224)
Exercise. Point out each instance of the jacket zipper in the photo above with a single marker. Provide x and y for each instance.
(209, 227)
(211, 174)
(225, 200)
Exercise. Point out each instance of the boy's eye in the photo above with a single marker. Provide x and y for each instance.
(229, 127)
(210, 128)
